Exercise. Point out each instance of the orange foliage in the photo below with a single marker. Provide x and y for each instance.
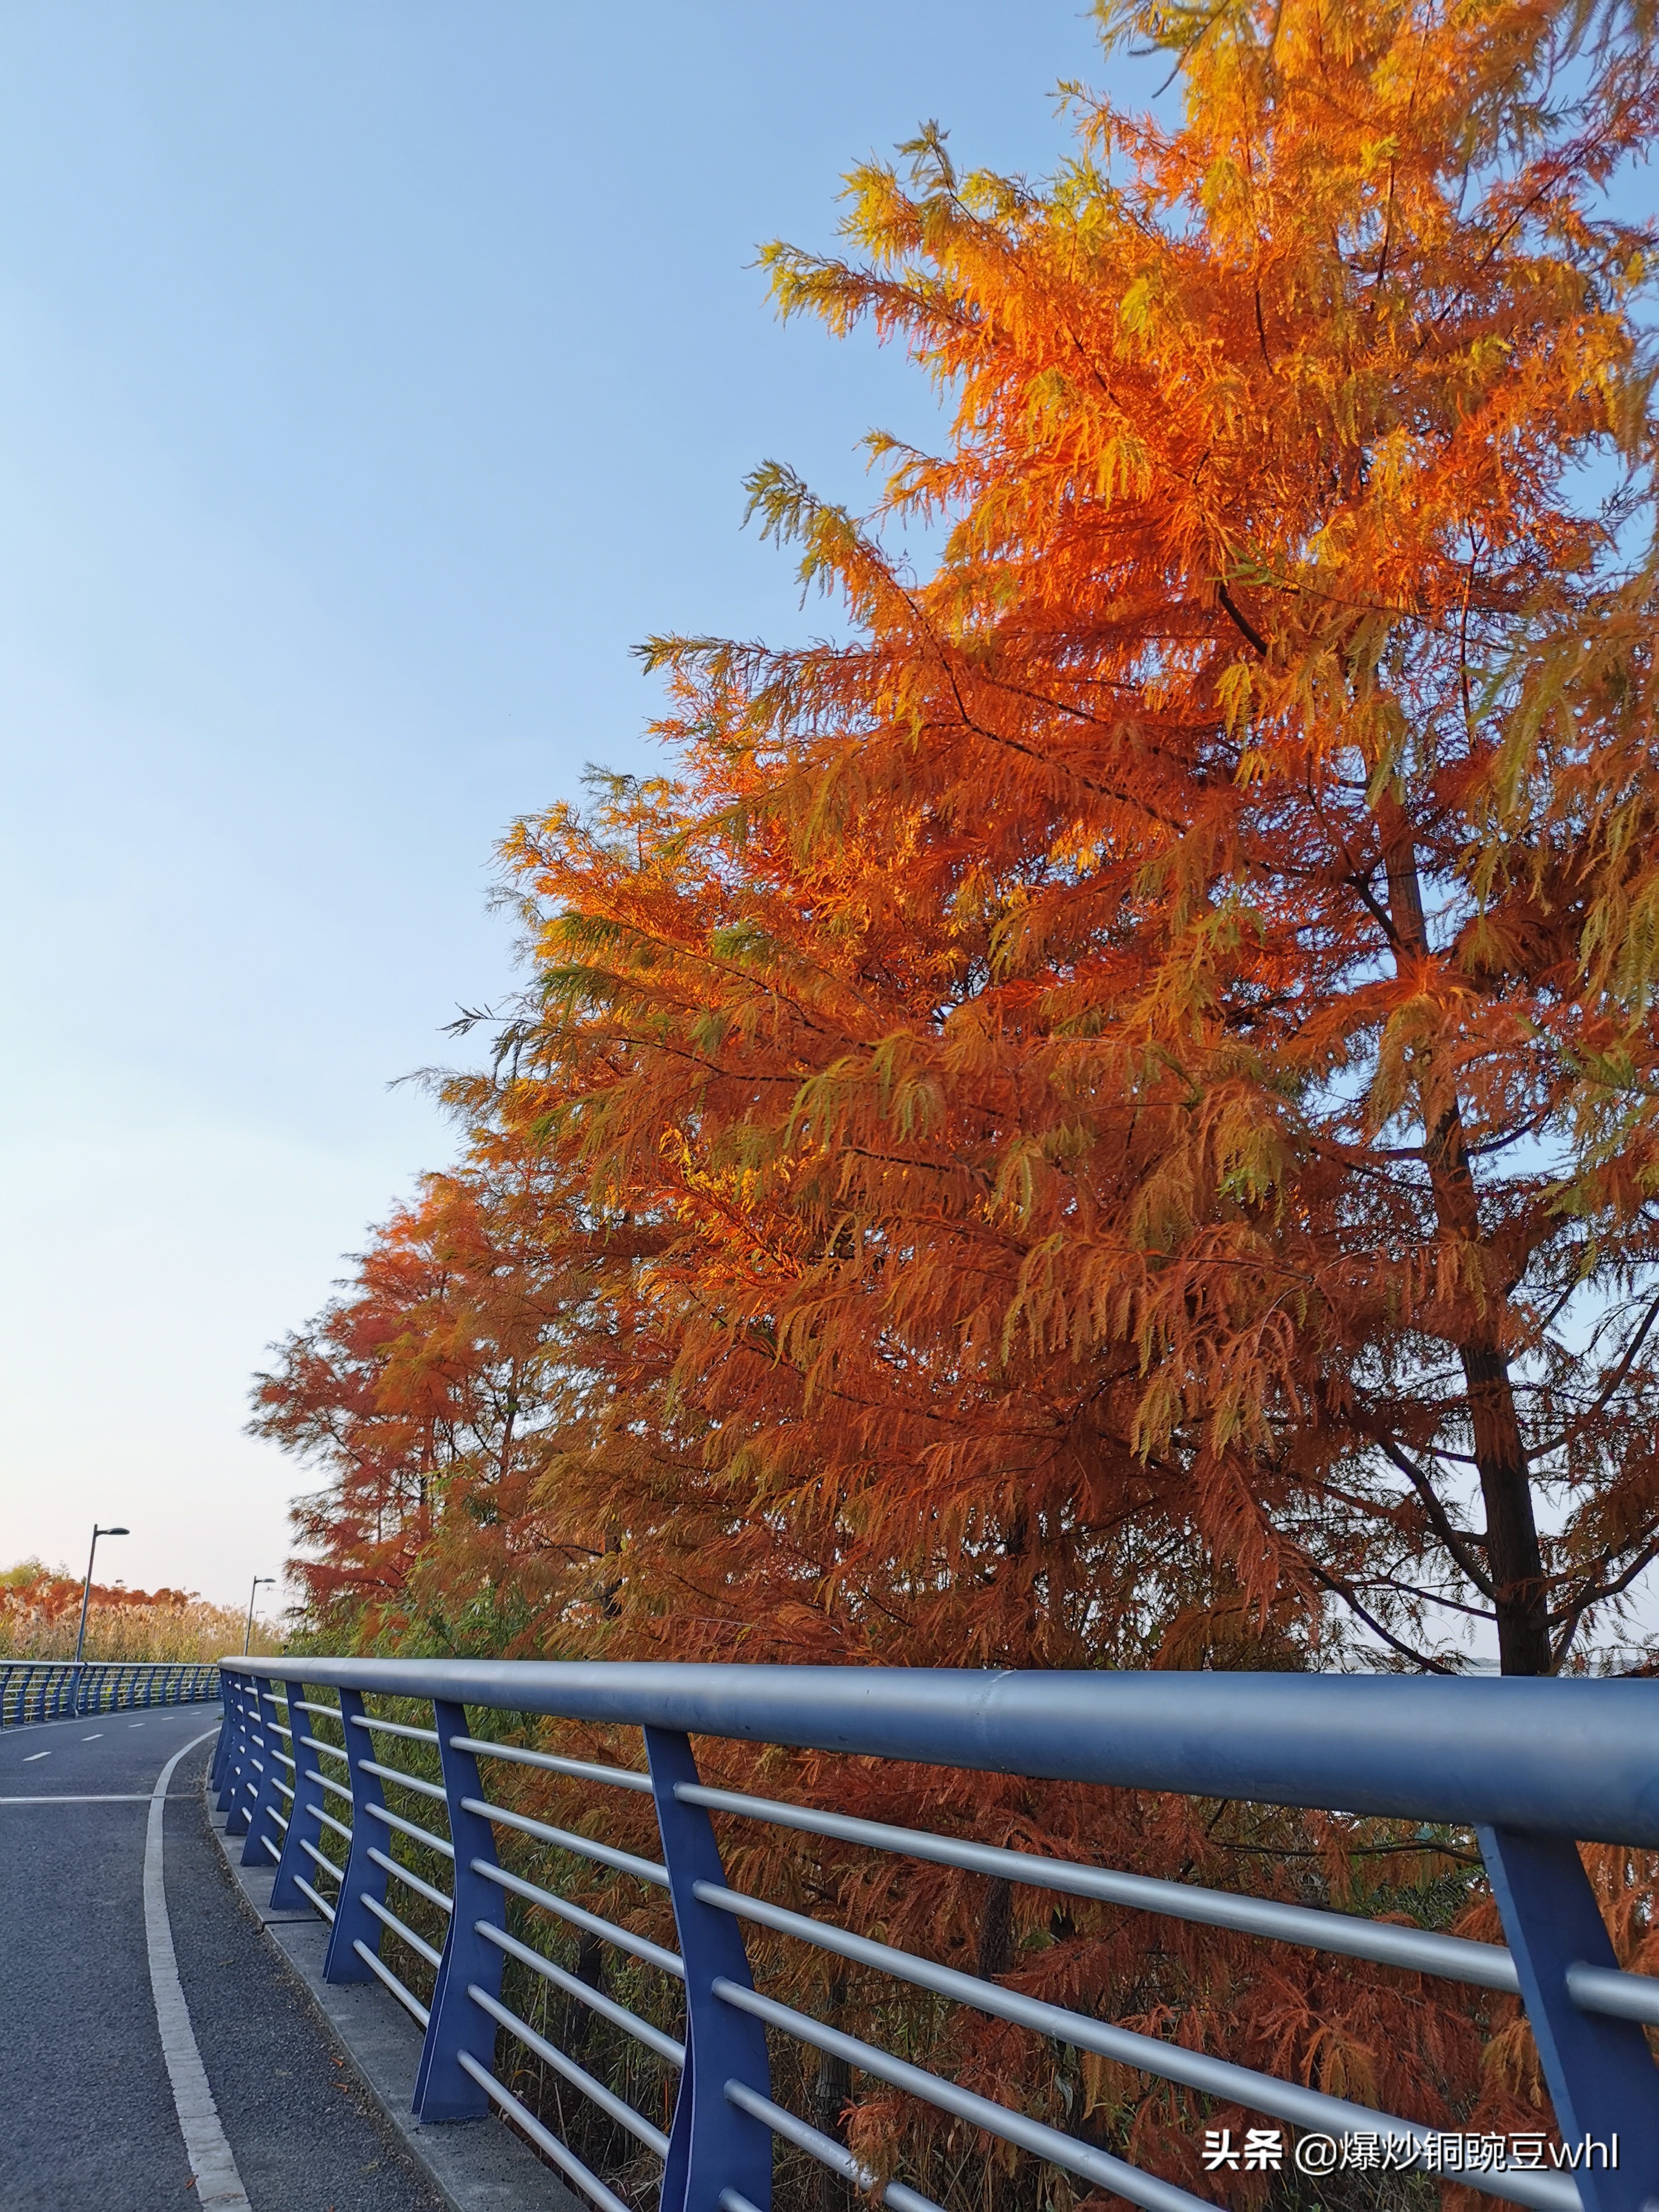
(35, 1594)
(1145, 1052)
(1109, 1116)
(40, 1614)
(1118, 1102)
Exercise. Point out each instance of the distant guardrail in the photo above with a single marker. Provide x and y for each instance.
(1531, 1767)
(58, 1689)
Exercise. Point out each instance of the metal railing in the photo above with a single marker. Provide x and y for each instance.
(58, 1689)
(1532, 1767)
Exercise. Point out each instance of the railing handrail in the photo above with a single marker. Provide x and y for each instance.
(32, 1690)
(1532, 1767)
(129, 1666)
(1572, 1757)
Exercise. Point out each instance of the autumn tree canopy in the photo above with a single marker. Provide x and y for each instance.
(1109, 1113)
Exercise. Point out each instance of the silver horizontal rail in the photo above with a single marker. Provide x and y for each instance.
(827, 2151)
(615, 2108)
(402, 1873)
(1065, 2151)
(666, 2046)
(1170, 2061)
(590, 1923)
(322, 1859)
(1563, 1756)
(393, 1727)
(411, 1828)
(560, 2154)
(406, 1997)
(423, 1789)
(562, 1840)
(418, 1944)
(1453, 1958)
(583, 1770)
(329, 1822)
(322, 1781)
(1619, 1995)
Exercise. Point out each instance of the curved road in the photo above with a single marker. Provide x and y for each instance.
(86, 2120)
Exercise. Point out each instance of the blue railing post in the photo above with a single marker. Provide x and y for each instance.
(234, 1739)
(353, 1921)
(246, 1763)
(265, 1794)
(444, 2090)
(712, 2147)
(239, 1775)
(303, 1827)
(1601, 2077)
(221, 1749)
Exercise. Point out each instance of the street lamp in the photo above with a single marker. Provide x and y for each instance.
(86, 1593)
(86, 1600)
(248, 1638)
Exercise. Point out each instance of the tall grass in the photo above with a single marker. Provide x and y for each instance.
(40, 1613)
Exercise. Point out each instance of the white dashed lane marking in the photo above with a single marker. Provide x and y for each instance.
(33, 1755)
(94, 1739)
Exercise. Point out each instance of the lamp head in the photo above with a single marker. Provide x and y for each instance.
(111, 1532)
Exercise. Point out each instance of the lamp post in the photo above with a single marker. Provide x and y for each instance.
(86, 1600)
(248, 1636)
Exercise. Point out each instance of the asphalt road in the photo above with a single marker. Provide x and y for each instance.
(86, 2120)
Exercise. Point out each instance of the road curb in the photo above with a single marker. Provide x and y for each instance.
(478, 2166)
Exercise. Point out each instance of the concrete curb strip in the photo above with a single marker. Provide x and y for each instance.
(477, 2166)
(212, 2166)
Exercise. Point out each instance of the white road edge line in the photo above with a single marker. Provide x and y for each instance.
(217, 2181)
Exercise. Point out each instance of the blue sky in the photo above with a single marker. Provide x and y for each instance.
(372, 377)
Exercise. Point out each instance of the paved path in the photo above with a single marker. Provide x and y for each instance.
(88, 2121)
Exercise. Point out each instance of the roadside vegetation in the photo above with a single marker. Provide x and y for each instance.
(40, 1614)
(1107, 1115)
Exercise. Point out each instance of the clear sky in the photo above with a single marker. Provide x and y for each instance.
(372, 376)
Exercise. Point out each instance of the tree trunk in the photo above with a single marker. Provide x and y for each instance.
(1514, 1559)
(996, 1930)
(1521, 1599)
(831, 2094)
(590, 1968)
